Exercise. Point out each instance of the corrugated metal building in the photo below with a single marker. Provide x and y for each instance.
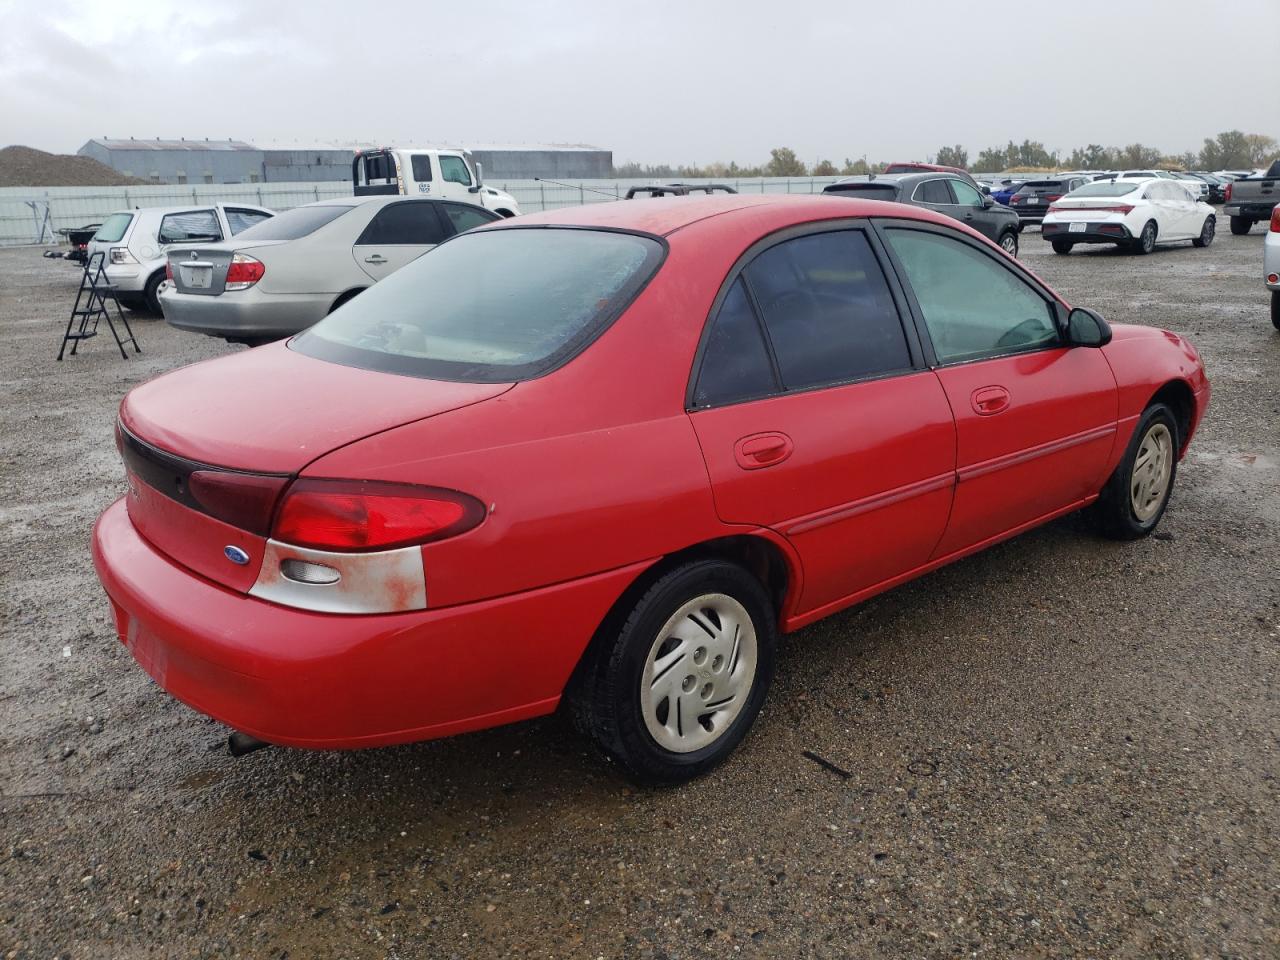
(234, 161)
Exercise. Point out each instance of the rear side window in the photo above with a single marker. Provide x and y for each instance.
(735, 361)
(932, 191)
(241, 220)
(411, 223)
(454, 170)
(827, 310)
(973, 305)
(296, 223)
(421, 168)
(186, 227)
(113, 227)
(464, 216)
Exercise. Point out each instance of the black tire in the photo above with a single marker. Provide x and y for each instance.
(151, 293)
(1275, 308)
(1062, 246)
(605, 697)
(1206, 232)
(343, 298)
(1009, 242)
(1114, 509)
(1241, 225)
(1146, 241)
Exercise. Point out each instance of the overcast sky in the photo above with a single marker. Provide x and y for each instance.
(655, 82)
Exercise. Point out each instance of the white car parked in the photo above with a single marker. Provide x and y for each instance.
(286, 274)
(134, 243)
(1129, 213)
(1271, 264)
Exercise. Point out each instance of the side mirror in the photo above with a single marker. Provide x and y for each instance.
(1085, 328)
(988, 202)
(986, 191)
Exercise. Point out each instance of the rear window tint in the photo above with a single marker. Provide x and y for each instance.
(190, 226)
(295, 223)
(490, 307)
(113, 227)
(867, 191)
(1106, 188)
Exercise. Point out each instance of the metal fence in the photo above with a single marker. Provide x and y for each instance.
(33, 215)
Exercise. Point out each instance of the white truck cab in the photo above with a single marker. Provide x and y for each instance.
(447, 174)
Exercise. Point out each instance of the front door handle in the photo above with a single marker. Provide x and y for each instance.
(762, 450)
(376, 258)
(987, 401)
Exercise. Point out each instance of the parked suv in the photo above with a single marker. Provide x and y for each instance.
(1031, 200)
(134, 243)
(948, 193)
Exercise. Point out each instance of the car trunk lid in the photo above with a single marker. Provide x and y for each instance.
(201, 269)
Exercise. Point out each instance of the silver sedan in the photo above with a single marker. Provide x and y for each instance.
(284, 274)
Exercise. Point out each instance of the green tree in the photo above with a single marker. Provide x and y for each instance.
(1261, 149)
(956, 156)
(991, 160)
(1228, 150)
(1138, 155)
(783, 162)
(824, 168)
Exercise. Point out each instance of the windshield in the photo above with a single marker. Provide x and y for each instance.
(1106, 188)
(295, 223)
(113, 227)
(489, 307)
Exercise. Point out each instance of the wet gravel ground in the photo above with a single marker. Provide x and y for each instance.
(1063, 747)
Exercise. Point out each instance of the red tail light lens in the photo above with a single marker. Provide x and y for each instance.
(1275, 220)
(168, 270)
(243, 500)
(243, 272)
(1053, 196)
(370, 515)
(1226, 194)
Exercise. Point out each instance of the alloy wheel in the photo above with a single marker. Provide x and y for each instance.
(1152, 470)
(699, 673)
(1010, 244)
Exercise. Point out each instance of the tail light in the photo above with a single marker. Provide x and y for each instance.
(168, 270)
(121, 255)
(1015, 199)
(244, 500)
(1226, 194)
(364, 515)
(243, 272)
(1053, 196)
(1120, 208)
(1275, 220)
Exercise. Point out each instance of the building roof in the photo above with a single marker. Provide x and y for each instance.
(157, 144)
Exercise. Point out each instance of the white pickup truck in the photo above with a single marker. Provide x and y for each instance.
(447, 174)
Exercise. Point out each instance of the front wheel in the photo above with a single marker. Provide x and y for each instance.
(1135, 497)
(1146, 241)
(1206, 233)
(1062, 246)
(1009, 242)
(673, 691)
(1241, 225)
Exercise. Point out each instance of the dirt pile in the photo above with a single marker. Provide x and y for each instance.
(28, 167)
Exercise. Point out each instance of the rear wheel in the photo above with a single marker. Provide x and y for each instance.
(1146, 241)
(1241, 225)
(1009, 242)
(1206, 233)
(151, 294)
(1062, 246)
(1135, 497)
(1275, 308)
(671, 692)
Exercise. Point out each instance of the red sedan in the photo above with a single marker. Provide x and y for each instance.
(606, 456)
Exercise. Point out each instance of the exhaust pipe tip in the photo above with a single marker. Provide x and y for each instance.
(240, 744)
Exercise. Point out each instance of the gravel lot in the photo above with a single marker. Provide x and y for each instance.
(1064, 747)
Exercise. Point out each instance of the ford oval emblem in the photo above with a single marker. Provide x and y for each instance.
(235, 555)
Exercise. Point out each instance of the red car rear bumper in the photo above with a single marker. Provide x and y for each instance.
(307, 679)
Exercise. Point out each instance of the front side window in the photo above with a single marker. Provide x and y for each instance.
(195, 225)
(410, 223)
(735, 360)
(241, 220)
(973, 305)
(492, 306)
(932, 191)
(966, 196)
(827, 310)
(421, 164)
(454, 170)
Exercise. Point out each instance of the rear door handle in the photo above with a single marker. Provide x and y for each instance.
(762, 450)
(987, 401)
(376, 258)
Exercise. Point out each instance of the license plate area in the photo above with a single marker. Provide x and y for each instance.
(198, 277)
(1076, 228)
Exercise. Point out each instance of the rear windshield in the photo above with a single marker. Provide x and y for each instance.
(871, 191)
(295, 223)
(1043, 183)
(113, 227)
(1106, 188)
(489, 307)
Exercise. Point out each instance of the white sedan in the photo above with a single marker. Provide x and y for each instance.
(1129, 213)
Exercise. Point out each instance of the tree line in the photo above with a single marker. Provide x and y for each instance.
(1229, 150)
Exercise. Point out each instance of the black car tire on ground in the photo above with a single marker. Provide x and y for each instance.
(1009, 242)
(1206, 233)
(1146, 241)
(151, 294)
(1062, 246)
(1241, 225)
(1275, 308)
(1114, 510)
(605, 697)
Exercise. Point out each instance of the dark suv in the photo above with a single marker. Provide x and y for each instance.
(1032, 200)
(947, 193)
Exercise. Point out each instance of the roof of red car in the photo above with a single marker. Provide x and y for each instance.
(664, 216)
